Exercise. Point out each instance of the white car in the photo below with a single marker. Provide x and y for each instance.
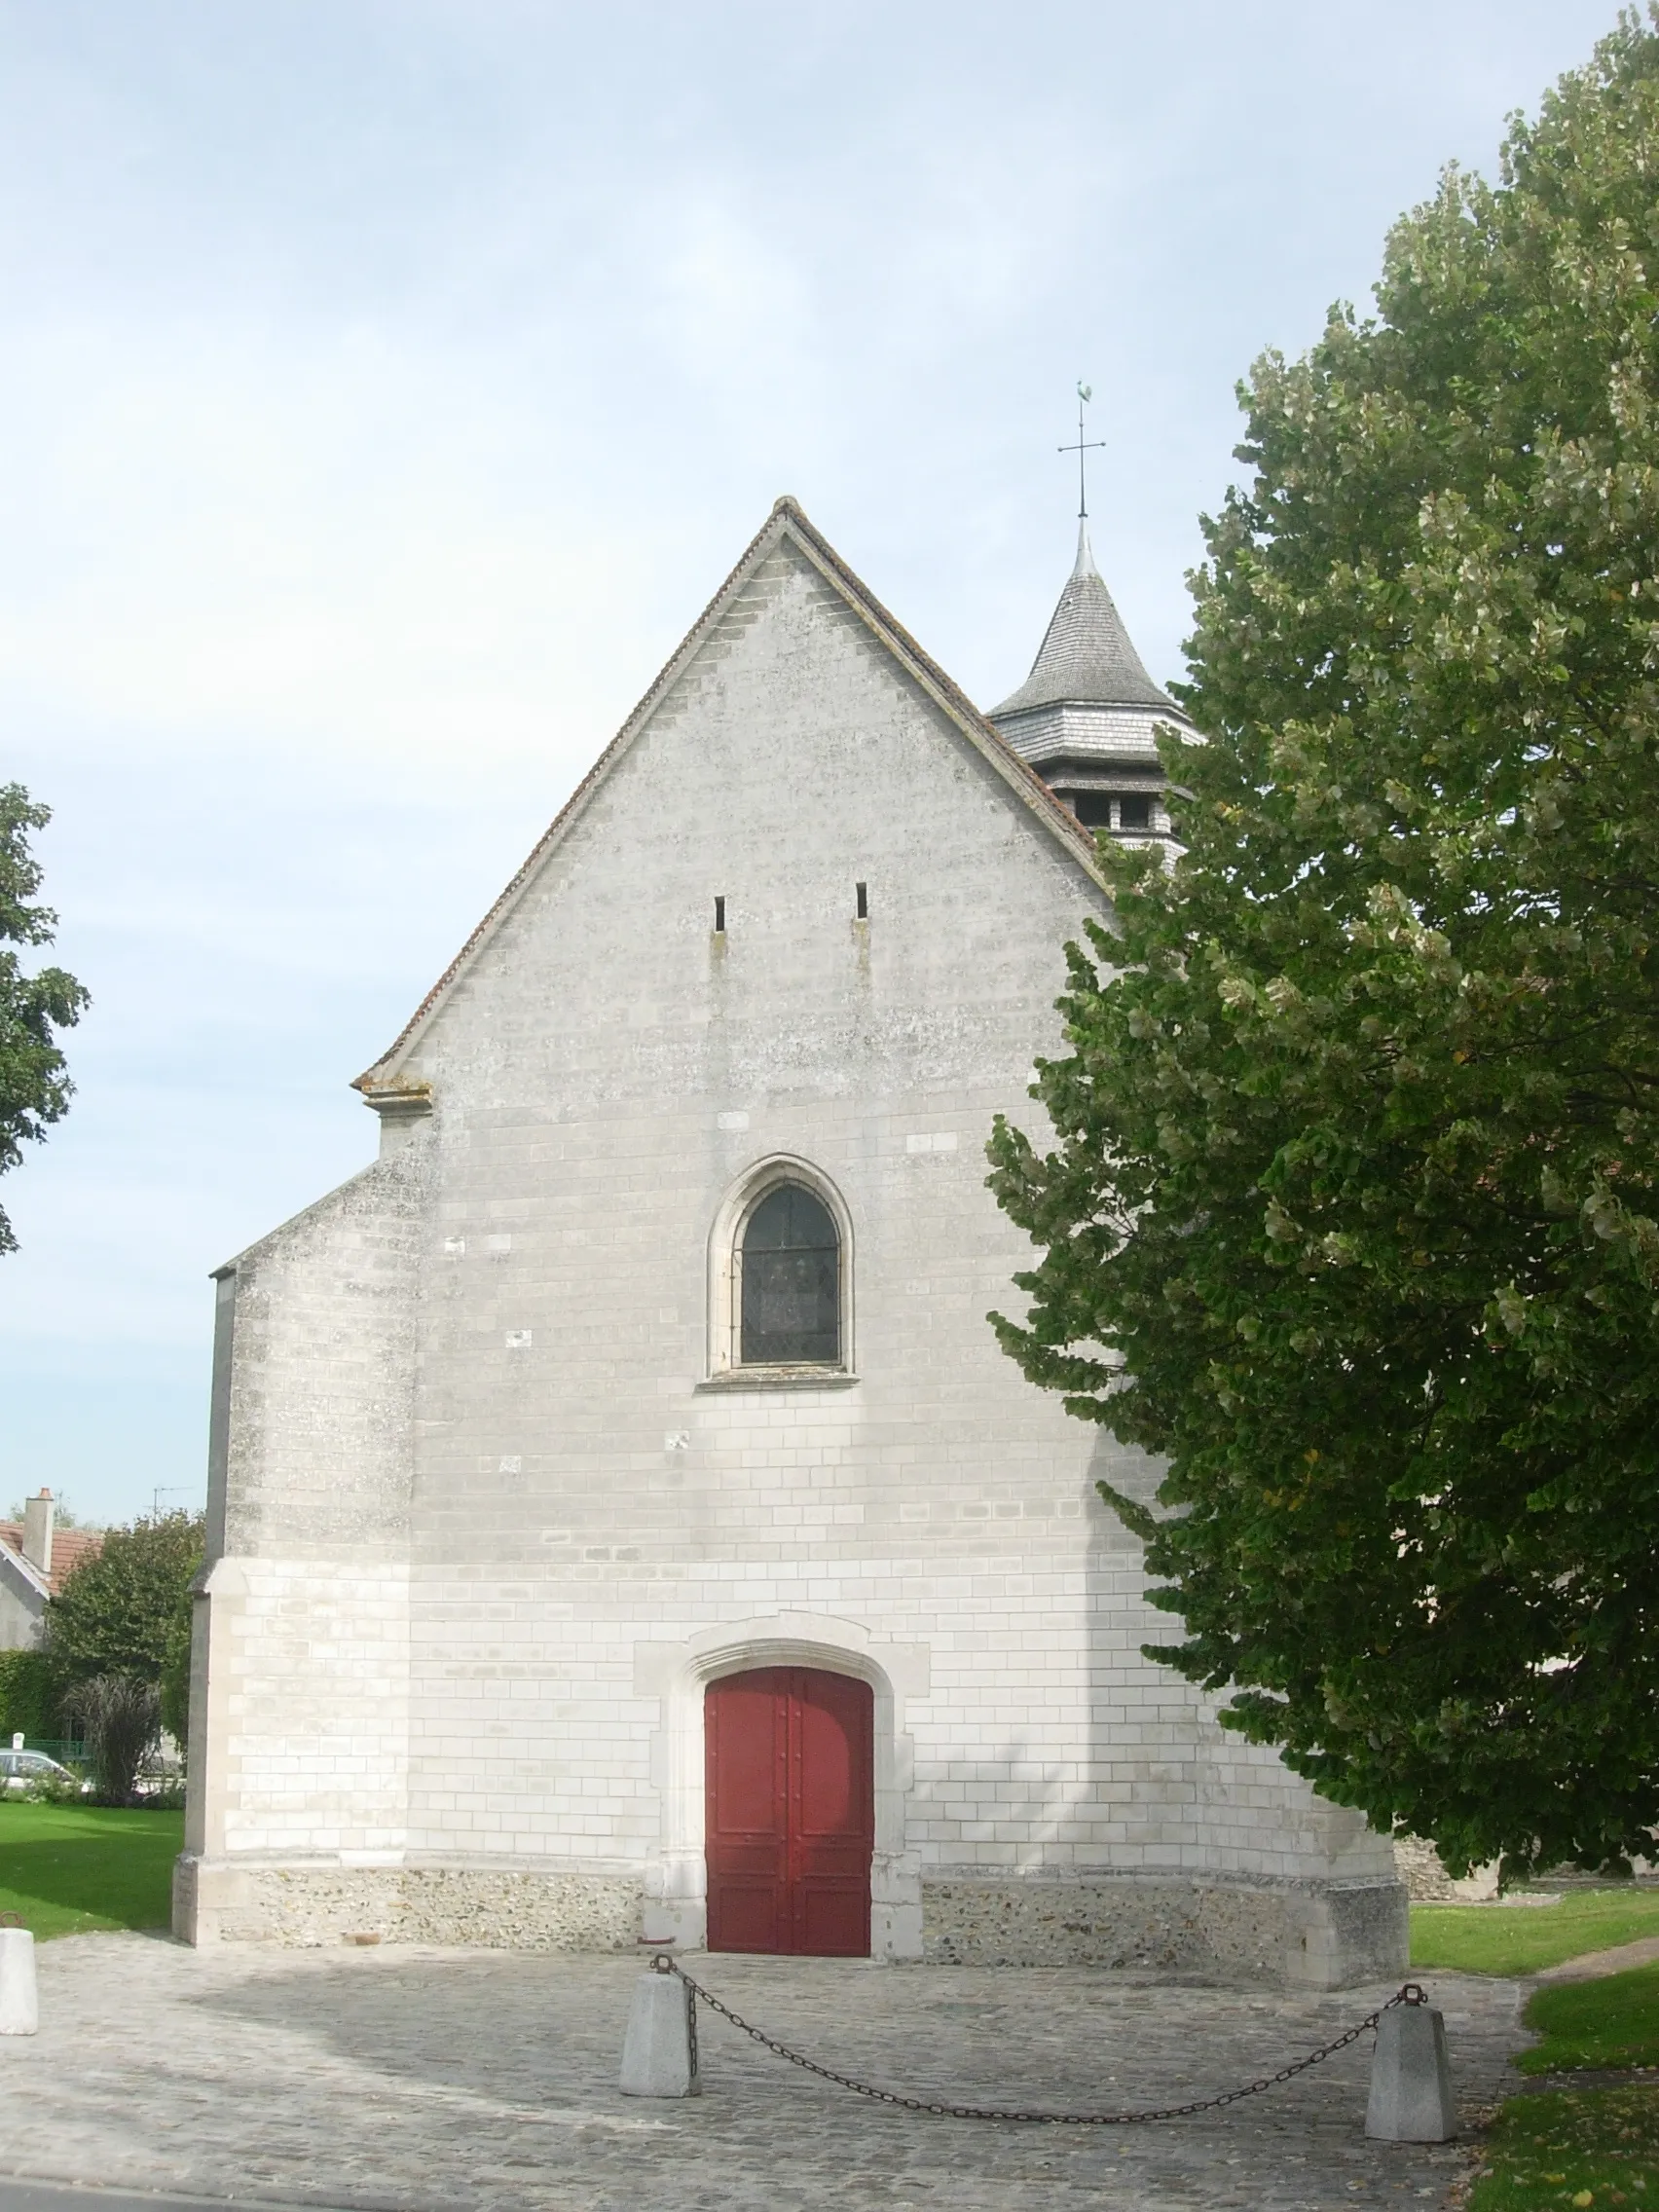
(21, 1770)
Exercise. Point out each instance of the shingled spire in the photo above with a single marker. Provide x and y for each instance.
(1086, 716)
(1086, 657)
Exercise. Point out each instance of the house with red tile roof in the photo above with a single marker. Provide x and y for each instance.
(36, 1559)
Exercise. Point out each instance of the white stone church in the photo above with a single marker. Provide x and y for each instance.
(624, 1526)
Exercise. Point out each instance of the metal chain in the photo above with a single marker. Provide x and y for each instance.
(1410, 1993)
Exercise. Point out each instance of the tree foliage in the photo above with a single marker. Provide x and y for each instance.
(34, 1083)
(175, 1681)
(1349, 1211)
(116, 1609)
(28, 1700)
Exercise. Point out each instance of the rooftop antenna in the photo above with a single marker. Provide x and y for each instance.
(1084, 394)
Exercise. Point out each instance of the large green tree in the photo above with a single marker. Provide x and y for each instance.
(34, 1085)
(117, 1611)
(1348, 1205)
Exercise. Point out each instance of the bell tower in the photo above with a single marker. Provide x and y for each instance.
(1085, 716)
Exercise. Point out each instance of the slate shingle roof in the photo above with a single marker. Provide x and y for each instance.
(1086, 657)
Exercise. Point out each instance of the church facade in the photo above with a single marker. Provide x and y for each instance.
(624, 1526)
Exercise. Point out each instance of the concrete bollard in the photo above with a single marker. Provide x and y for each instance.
(1411, 2079)
(20, 2007)
(658, 2052)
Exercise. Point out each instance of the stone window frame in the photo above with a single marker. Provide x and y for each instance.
(725, 1369)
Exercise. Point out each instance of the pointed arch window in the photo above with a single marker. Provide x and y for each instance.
(789, 1301)
(781, 1282)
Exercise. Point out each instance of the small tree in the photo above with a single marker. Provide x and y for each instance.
(121, 1722)
(116, 1611)
(34, 1083)
(1353, 1212)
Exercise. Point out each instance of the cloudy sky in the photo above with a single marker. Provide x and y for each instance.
(385, 385)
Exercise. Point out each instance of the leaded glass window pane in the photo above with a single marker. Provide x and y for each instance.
(791, 1281)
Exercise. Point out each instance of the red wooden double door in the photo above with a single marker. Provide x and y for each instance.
(790, 1814)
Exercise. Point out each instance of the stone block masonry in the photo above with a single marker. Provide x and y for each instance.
(495, 1498)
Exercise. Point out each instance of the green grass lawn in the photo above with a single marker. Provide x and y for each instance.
(1561, 2148)
(67, 1868)
(1594, 2147)
(1508, 1939)
(1611, 2021)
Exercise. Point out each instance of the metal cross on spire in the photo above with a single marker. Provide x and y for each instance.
(1084, 394)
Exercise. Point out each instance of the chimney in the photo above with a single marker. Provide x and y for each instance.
(38, 1513)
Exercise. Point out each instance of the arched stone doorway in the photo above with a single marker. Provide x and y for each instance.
(790, 1811)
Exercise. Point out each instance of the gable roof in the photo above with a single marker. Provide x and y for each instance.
(1087, 658)
(69, 1547)
(786, 522)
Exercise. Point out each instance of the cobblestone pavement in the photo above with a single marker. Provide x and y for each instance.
(425, 2078)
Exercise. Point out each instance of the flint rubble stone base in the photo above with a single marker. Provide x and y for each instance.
(1307, 1934)
(303, 1908)
(1294, 1934)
